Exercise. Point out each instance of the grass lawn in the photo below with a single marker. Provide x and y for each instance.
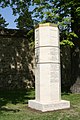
(13, 106)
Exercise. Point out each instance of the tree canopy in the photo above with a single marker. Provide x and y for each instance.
(20, 8)
(64, 13)
(3, 23)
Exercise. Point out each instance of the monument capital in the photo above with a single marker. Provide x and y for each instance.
(45, 24)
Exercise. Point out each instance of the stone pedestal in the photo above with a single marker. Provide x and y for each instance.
(47, 70)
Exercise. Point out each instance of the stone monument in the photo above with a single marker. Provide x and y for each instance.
(47, 70)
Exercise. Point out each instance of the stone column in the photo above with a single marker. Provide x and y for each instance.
(47, 70)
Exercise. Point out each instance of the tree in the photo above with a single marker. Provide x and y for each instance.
(65, 13)
(3, 23)
(18, 49)
(24, 21)
(21, 9)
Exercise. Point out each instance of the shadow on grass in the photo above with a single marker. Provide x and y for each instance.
(9, 109)
(65, 93)
(14, 97)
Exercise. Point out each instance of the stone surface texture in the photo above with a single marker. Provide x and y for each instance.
(47, 70)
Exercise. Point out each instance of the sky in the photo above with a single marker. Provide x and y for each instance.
(7, 14)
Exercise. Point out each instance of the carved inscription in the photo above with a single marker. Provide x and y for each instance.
(53, 33)
(53, 53)
(36, 38)
(54, 72)
(37, 53)
(36, 45)
(49, 54)
(37, 74)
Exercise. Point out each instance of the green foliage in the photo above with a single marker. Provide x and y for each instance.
(21, 9)
(64, 13)
(3, 23)
(15, 59)
(14, 52)
(24, 21)
(67, 42)
(69, 38)
(78, 11)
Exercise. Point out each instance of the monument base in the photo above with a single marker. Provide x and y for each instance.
(63, 104)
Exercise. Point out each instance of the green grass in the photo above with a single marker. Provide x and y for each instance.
(13, 106)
